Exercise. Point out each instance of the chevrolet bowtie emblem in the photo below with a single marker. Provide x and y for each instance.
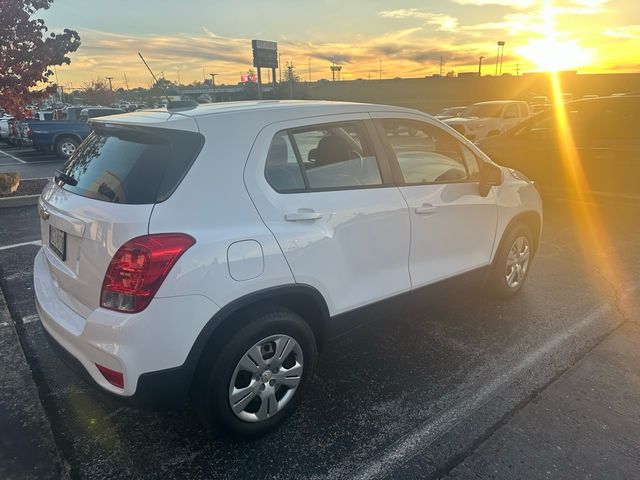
(44, 213)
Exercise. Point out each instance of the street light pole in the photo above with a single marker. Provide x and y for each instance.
(110, 87)
(480, 66)
(498, 58)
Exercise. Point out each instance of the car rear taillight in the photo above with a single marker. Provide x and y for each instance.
(138, 269)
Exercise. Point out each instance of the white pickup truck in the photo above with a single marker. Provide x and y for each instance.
(486, 119)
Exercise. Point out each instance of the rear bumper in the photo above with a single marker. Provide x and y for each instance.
(164, 389)
(150, 348)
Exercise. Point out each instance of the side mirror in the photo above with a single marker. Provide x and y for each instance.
(490, 175)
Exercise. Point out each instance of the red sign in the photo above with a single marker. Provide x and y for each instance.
(248, 78)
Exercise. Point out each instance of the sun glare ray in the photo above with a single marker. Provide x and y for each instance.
(594, 240)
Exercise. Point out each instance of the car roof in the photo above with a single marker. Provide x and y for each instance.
(263, 111)
(300, 107)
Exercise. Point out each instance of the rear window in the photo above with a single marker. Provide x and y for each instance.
(132, 165)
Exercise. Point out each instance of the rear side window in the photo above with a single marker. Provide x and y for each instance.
(132, 165)
(283, 172)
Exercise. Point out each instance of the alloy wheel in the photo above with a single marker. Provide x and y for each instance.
(517, 262)
(266, 378)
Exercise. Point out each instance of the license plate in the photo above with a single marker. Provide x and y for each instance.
(58, 242)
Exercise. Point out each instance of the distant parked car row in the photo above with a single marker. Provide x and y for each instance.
(591, 144)
(49, 135)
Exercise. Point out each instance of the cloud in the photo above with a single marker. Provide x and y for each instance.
(582, 7)
(443, 22)
(625, 31)
(517, 4)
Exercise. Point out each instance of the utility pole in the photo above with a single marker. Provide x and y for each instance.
(518, 68)
(480, 66)
(280, 67)
(290, 68)
(441, 64)
(126, 82)
(109, 78)
(55, 70)
(178, 78)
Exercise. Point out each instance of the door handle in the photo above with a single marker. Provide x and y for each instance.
(425, 209)
(302, 215)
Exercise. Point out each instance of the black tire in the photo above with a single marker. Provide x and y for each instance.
(212, 385)
(497, 283)
(62, 150)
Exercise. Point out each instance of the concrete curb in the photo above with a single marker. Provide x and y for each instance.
(21, 201)
(27, 447)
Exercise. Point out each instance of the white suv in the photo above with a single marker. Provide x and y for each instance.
(209, 253)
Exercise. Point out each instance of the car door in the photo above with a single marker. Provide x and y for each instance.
(453, 228)
(323, 189)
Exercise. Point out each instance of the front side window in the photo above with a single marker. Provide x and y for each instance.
(484, 110)
(425, 153)
(332, 156)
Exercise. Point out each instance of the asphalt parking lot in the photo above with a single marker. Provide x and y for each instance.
(28, 162)
(433, 394)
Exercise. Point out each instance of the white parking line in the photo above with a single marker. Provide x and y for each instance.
(417, 440)
(16, 245)
(30, 318)
(11, 156)
(33, 163)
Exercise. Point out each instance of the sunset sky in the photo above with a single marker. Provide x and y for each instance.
(406, 36)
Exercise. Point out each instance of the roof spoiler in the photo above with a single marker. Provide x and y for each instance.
(179, 105)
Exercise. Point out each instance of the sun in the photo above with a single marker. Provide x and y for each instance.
(554, 53)
(551, 55)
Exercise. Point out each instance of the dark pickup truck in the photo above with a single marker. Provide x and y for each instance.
(63, 136)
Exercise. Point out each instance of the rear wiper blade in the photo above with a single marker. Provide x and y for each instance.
(63, 177)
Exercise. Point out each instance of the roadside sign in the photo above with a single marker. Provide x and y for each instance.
(264, 45)
(265, 54)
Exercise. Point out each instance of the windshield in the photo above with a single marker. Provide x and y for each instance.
(483, 110)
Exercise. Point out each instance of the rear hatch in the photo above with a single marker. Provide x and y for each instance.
(105, 196)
